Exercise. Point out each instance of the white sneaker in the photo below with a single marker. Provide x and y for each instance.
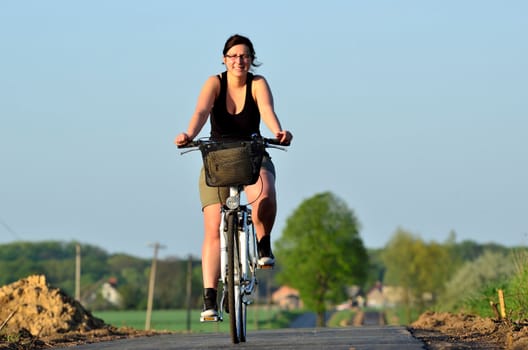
(266, 261)
(209, 313)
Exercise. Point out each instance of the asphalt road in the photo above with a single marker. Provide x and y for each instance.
(350, 338)
(307, 320)
(302, 334)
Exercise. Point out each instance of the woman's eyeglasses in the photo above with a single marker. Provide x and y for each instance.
(234, 58)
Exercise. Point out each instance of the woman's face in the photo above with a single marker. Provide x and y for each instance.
(238, 60)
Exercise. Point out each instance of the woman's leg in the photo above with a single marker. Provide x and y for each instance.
(263, 200)
(211, 246)
(211, 259)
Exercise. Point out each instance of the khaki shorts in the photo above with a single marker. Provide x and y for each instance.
(212, 195)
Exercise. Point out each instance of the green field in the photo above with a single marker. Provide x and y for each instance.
(176, 320)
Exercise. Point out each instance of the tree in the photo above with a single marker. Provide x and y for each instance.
(320, 252)
(417, 267)
(56, 260)
(376, 269)
(171, 284)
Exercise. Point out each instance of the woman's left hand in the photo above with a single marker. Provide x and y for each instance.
(284, 137)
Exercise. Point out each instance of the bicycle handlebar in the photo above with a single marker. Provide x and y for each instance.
(267, 142)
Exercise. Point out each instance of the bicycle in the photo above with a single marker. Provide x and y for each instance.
(235, 164)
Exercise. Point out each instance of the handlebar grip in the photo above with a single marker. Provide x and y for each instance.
(276, 142)
(189, 144)
(273, 141)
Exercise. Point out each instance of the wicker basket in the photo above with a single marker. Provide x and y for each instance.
(232, 163)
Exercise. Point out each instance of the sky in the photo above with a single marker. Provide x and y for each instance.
(414, 113)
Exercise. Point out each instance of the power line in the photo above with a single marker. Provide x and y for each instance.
(9, 229)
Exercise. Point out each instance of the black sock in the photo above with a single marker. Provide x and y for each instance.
(209, 295)
(264, 245)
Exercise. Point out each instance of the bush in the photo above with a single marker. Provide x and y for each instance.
(516, 293)
(476, 282)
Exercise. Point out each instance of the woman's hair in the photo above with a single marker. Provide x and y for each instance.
(238, 39)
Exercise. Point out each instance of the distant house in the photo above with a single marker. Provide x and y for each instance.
(103, 294)
(110, 293)
(287, 298)
(355, 298)
(381, 296)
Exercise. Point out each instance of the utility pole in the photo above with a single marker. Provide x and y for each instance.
(78, 272)
(152, 280)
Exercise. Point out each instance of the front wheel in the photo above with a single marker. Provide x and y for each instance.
(243, 319)
(233, 281)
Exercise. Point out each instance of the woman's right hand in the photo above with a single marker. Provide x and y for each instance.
(182, 139)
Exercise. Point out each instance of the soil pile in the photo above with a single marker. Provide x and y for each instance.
(462, 331)
(31, 304)
(34, 315)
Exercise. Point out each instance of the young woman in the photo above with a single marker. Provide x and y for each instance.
(236, 101)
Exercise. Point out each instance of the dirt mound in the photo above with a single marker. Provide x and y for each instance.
(31, 304)
(34, 315)
(462, 331)
(447, 322)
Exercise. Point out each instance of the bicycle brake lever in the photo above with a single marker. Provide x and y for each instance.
(189, 150)
(282, 148)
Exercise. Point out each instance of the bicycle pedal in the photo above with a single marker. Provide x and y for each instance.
(210, 319)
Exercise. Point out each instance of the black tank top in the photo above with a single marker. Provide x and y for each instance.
(237, 126)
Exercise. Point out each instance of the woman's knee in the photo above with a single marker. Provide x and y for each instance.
(211, 217)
